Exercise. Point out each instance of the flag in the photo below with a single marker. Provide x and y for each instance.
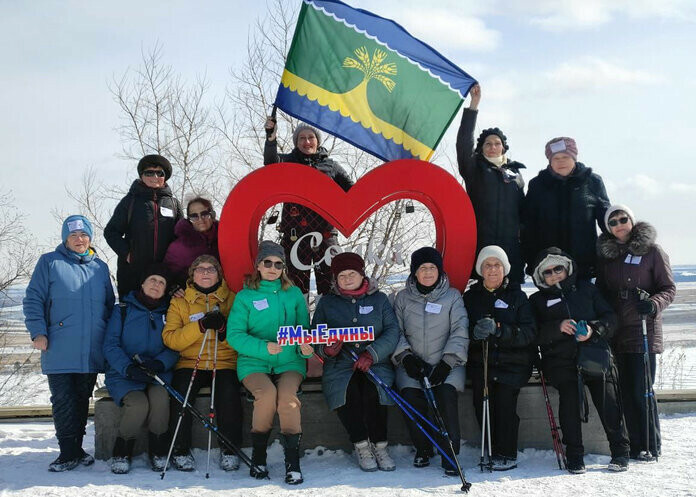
(364, 79)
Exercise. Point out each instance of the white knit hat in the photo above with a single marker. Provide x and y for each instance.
(615, 208)
(547, 262)
(492, 251)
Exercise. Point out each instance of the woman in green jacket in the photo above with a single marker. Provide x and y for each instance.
(268, 301)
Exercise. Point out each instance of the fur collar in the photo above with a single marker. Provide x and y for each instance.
(642, 239)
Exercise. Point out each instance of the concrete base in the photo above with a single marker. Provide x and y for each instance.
(321, 427)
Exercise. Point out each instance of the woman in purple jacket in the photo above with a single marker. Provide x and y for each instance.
(196, 235)
(629, 261)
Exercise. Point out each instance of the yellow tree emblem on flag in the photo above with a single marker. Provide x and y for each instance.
(372, 68)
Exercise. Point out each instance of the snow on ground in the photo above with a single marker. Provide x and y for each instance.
(26, 449)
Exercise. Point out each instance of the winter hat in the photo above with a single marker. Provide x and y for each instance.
(562, 144)
(304, 127)
(551, 260)
(424, 255)
(155, 160)
(346, 261)
(158, 269)
(492, 251)
(616, 208)
(488, 132)
(76, 223)
(268, 248)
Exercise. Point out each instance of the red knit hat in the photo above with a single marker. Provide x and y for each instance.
(345, 261)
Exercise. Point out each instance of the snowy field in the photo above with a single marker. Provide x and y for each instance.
(26, 449)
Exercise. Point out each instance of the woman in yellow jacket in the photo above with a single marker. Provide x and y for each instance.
(201, 315)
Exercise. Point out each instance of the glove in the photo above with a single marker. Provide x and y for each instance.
(333, 349)
(484, 328)
(439, 373)
(364, 362)
(213, 320)
(646, 307)
(269, 131)
(133, 372)
(414, 366)
(153, 365)
(222, 333)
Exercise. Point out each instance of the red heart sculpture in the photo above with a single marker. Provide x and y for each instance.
(431, 185)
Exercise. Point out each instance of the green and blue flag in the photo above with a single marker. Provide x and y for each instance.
(366, 80)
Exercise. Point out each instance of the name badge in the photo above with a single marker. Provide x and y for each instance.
(260, 305)
(166, 212)
(433, 308)
(195, 317)
(551, 302)
(75, 225)
(499, 304)
(365, 310)
(164, 319)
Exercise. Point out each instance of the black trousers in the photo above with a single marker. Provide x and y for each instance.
(446, 398)
(502, 407)
(607, 401)
(70, 393)
(227, 402)
(362, 415)
(632, 381)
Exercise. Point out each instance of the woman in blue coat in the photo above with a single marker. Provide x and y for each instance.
(67, 304)
(358, 401)
(136, 328)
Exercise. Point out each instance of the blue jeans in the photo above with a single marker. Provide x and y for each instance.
(70, 393)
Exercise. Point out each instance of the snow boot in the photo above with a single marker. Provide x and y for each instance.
(158, 446)
(503, 463)
(643, 456)
(69, 456)
(121, 456)
(575, 464)
(366, 459)
(259, 444)
(384, 460)
(85, 458)
(228, 461)
(291, 444)
(183, 459)
(422, 458)
(618, 464)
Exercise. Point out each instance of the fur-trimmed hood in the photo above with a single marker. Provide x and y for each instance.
(642, 239)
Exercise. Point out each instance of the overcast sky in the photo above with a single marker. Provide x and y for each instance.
(616, 75)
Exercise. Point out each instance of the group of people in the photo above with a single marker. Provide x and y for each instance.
(178, 320)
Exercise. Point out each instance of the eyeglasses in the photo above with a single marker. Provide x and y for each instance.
(615, 222)
(277, 264)
(553, 270)
(205, 270)
(153, 172)
(202, 215)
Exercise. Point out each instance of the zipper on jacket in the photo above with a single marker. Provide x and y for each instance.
(156, 220)
(205, 335)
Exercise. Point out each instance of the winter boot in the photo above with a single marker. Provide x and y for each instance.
(158, 446)
(503, 463)
(618, 464)
(121, 456)
(384, 460)
(85, 458)
(291, 444)
(422, 458)
(575, 464)
(643, 456)
(228, 461)
(69, 456)
(183, 459)
(366, 458)
(259, 444)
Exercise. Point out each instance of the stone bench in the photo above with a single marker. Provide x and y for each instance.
(321, 427)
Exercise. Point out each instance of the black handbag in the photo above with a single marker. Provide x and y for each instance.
(593, 360)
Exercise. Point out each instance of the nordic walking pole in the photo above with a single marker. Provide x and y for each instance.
(557, 446)
(647, 379)
(200, 417)
(485, 416)
(181, 413)
(439, 419)
(211, 414)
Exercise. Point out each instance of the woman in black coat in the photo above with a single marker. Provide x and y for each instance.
(495, 186)
(571, 313)
(564, 205)
(500, 314)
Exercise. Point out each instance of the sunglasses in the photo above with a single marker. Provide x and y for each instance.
(615, 222)
(154, 172)
(205, 270)
(203, 215)
(278, 265)
(556, 270)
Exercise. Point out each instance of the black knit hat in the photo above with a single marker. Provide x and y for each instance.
(488, 132)
(424, 255)
(155, 160)
(158, 269)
